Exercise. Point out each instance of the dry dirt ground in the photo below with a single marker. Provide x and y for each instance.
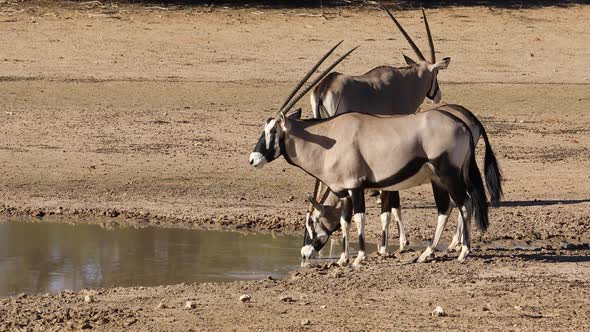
(146, 115)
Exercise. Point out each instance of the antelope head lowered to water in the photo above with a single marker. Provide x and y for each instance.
(352, 152)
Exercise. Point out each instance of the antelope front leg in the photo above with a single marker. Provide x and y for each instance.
(332, 244)
(344, 256)
(358, 207)
(345, 218)
(397, 214)
(385, 220)
(403, 240)
(359, 219)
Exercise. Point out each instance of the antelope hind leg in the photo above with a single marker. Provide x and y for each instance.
(466, 238)
(443, 205)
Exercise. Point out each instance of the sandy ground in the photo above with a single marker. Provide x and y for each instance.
(539, 290)
(133, 115)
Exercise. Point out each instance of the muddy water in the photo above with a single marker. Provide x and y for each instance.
(46, 257)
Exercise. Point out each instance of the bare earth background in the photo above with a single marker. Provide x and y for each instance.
(136, 115)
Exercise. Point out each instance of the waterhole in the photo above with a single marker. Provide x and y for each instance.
(39, 257)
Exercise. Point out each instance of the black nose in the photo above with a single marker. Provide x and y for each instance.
(251, 161)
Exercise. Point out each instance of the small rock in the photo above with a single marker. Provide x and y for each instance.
(517, 307)
(305, 322)
(190, 305)
(439, 312)
(337, 274)
(86, 326)
(88, 299)
(39, 213)
(323, 306)
(285, 298)
(161, 305)
(21, 296)
(112, 213)
(245, 298)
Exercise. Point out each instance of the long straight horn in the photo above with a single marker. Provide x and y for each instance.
(316, 188)
(317, 79)
(430, 43)
(410, 41)
(306, 77)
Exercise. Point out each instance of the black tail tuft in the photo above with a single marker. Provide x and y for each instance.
(477, 193)
(491, 170)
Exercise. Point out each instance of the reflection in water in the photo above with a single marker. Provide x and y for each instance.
(42, 257)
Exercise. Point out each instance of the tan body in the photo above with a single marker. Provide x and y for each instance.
(382, 91)
(455, 110)
(345, 154)
(332, 205)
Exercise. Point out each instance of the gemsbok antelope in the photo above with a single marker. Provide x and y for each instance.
(352, 152)
(383, 90)
(389, 90)
(323, 216)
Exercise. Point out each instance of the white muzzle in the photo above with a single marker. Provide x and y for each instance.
(257, 159)
(308, 252)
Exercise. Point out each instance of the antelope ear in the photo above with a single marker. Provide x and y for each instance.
(409, 60)
(315, 204)
(296, 115)
(440, 65)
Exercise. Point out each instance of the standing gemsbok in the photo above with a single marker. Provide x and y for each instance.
(389, 90)
(352, 152)
(383, 90)
(323, 219)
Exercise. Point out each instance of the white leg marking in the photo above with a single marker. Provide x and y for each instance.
(345, 243)
(359, 219)
(385, 220)
(440, 226)
(455, 243)
(332, 244)
(466, 236)
(403, 241)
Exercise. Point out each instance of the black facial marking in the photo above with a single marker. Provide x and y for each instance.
(268, 153)
(317, 244)
(433, 90)
(311, 226)
(306, 238)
